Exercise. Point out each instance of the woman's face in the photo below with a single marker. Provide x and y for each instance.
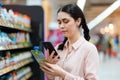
(68, 26)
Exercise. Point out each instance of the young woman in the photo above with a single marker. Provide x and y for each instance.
(78, 58)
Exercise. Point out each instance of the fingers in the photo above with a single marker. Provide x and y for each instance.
(56, 59)
(47, 53)
(46, 71)
(46, 67)
(50, 55)
(51, 58)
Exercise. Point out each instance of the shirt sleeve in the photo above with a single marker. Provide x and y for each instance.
(92, 64)
(91, 67)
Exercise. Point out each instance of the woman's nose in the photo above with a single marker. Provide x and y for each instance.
(61, 25)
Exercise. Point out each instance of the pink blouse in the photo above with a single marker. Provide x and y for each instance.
(82, 62)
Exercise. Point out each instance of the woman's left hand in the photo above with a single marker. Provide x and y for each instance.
(53, 69)
(51, 58)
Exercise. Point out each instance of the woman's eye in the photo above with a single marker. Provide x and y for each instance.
(59, 22)
(65, 21)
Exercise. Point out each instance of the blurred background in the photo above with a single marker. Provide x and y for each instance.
(103, 18)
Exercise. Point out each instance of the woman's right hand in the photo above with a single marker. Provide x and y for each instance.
(52, 70)
(51, 58)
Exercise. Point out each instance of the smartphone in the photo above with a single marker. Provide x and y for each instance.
(39, 56)
(50, 47)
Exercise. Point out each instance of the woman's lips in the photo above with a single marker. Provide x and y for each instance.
(64, 31)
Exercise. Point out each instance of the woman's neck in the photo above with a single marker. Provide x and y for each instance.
(74, 38)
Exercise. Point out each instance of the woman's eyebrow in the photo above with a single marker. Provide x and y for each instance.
(58, 20)
(62, 19)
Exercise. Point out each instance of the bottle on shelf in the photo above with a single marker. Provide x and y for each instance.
(2, 62)
(1, 15)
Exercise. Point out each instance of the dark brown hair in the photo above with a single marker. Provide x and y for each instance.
(75, 12)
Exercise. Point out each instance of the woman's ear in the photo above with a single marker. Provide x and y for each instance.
(78, 21)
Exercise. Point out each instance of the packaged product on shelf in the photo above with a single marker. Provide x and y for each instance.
(1, 16)
(15, 58)
(7, 58)
(27, 37)
(12, 36)
(38, 55)
(15, 17)
(1, 20)
(21, 37)
(21, 56)
(0, 39)
(26, 55)
(19, 19)
(22, 20)
(6, 17)
(12, 16)
(6, 77)
(2, 62)
(26, 21)
(14, 74)
(22, 72)
(4, 39)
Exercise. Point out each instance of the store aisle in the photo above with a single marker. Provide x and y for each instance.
(109, 69)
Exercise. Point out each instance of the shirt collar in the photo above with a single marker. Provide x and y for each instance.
(76, 44)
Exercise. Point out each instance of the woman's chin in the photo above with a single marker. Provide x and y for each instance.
(65, 35)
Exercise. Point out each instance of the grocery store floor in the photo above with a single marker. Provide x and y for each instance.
(109, 68)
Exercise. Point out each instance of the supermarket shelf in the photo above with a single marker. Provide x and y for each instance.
(36, 31)
(16, 66)
(16, 28)
(27, 76)
(23, 28)
(18, 46)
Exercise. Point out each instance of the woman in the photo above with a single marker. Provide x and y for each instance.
(78, 59)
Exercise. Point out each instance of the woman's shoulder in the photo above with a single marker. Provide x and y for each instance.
(90, 45)
(91, 49)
